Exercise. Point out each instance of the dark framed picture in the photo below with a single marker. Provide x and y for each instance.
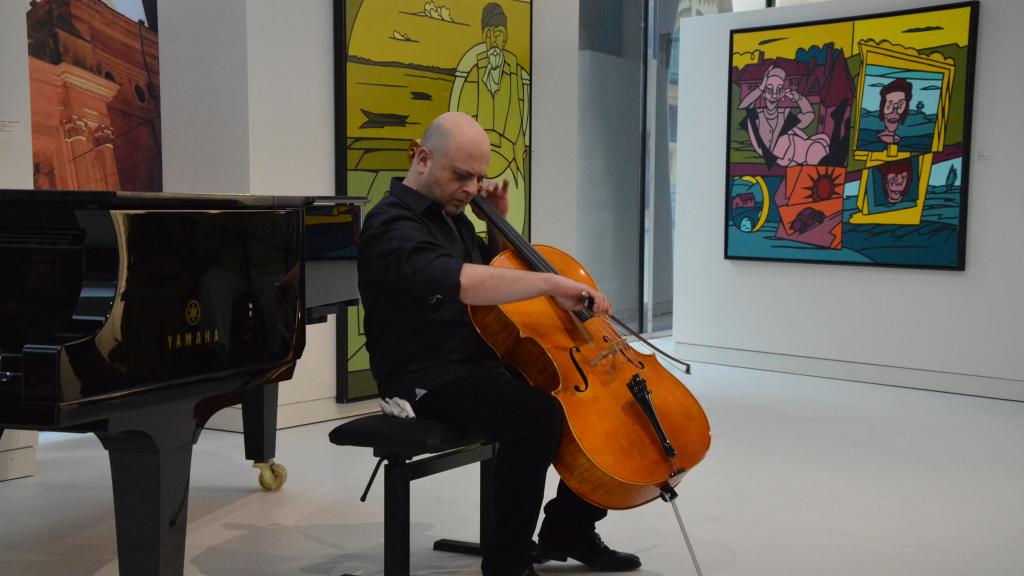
(849, 139)
(400, 64)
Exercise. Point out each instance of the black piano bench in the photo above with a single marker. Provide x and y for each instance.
(401, 442)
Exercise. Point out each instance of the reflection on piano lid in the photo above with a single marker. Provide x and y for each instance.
(332, 227)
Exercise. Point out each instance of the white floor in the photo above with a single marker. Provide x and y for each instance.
(805, 477)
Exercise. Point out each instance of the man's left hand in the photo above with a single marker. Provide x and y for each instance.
(496, 194)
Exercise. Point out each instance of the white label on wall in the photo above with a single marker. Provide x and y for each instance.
(15, 110)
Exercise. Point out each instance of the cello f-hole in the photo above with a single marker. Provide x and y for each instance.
(583, 375)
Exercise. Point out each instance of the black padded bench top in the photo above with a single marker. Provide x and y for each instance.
(392, 437)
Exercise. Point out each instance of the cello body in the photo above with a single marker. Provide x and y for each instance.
(613, 453)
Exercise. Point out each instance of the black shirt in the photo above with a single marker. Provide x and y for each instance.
(418, 333)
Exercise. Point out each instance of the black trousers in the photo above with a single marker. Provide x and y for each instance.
(527, 424)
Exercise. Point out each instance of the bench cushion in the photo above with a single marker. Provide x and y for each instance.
(404, 438)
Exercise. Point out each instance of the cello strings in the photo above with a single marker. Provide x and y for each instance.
(684, 365)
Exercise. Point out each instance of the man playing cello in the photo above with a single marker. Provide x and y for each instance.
(420, 265)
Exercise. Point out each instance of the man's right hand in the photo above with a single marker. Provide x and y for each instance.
(573, 296)
(482, 285)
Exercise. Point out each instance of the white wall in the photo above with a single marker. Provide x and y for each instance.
(958, 331)
(204, 97)
(555, 128)
(15, 113)
(291, 97)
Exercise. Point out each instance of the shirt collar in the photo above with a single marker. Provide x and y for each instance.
(411, 197)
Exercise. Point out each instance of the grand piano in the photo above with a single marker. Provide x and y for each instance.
(136, 316)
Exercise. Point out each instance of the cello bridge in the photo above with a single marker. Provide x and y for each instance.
(612, 348)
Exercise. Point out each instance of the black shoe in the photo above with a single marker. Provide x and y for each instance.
(591, 551)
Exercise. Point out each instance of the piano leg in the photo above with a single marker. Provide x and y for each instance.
(150, 477)
(259, 424)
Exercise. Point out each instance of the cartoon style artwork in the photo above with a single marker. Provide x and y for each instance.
(408, 61)
(493, 86)
(404, 63)
(848, 139)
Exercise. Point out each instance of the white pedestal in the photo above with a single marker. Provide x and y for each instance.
(18, 454)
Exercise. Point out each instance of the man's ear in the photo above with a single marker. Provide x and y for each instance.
(423, 158)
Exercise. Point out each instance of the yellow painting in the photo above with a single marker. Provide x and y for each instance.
(405, 62)
(408, 61)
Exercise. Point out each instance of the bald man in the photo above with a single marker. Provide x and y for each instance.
(420, 264)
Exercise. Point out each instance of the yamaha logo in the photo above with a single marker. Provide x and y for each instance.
(192, 313)
(194, 337)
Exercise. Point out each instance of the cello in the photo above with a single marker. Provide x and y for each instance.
(631, 430)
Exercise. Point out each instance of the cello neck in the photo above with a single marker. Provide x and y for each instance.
(524, 249)
(533, 259)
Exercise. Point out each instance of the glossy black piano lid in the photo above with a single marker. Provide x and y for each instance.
(41, 263)
(153, 200)
(209, 286)
(207, 292)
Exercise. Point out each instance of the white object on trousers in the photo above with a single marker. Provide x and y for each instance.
(396, 407)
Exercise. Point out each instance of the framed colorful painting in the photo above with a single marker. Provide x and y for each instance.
(849, 139)
(399, 65)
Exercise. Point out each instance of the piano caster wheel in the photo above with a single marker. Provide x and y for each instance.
(272, 475)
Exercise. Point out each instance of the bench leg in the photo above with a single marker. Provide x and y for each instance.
(487, 495)
(396, 519)
(486, 516)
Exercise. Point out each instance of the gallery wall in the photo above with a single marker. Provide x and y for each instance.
(15, 130)
(942, 330)
(204, 96)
